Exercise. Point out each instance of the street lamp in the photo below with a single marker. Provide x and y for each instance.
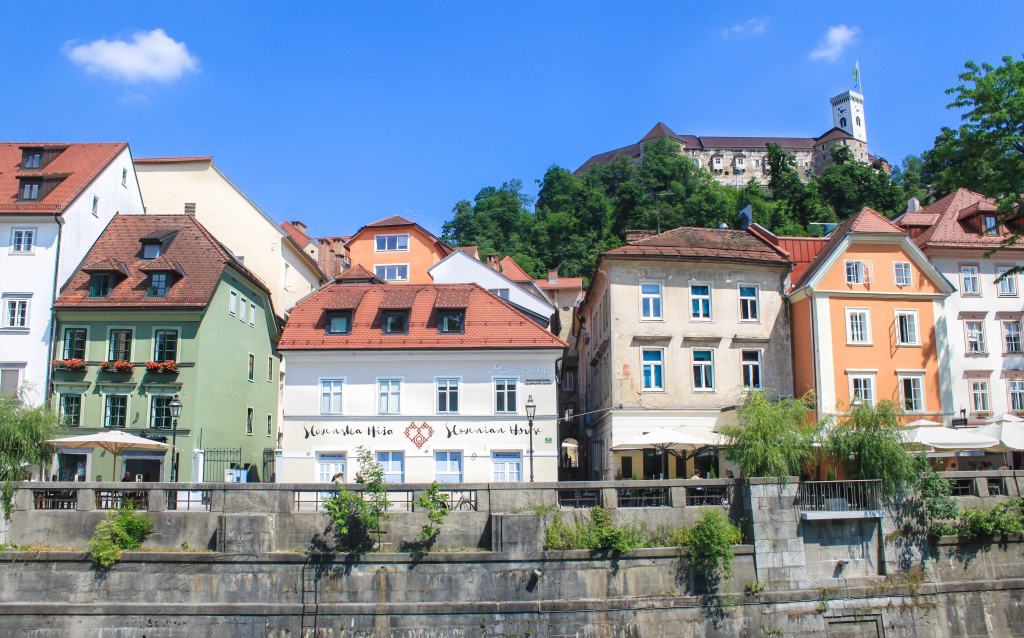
(175, 407)
(531, 411)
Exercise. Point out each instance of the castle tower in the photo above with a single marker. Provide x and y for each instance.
(848, 114)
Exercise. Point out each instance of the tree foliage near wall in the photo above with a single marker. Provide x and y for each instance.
(774, 438)
(868, 441)
(357, 515)
(122, 530)
(23, 432)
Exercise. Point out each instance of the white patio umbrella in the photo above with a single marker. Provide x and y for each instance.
(668, 441)
(113, 441)
(922, 423)
(939, 438)
(1009, 433)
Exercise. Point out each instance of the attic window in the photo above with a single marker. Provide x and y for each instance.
(158, 284)
(151, 250)
(30, 189)
(339, 322)
(451, 321)
(991, 226)
(99, 284)
(32, 159)
(395, 322)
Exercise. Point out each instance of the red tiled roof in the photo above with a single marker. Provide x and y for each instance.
(190, 244)
(472, 251)
(394, 220)
(358, 273)
(802, 250)
(397, 221)
(173, 160)
(865, 221)
(490, 322)
(77, 165)
(297, 235)
(916, 219)
(561, 283)
(702, 243)
(948, 230)
(508, 267)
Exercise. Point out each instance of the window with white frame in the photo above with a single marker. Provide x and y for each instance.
(250, 372)
(703, 370)
(243, 311)
(903, 274)
(75, 340)
(856, 272)
(749, 305)
(115, 411)
(979, 396)
(912, 392)
(507, 467)
(391, 243)
(331, 391)
(70, 410)
(1011, 337)
(505, 395)
(329, 465)
(858, 326)
(392, 272)
(160, 412)
(16, 311)
(23, 240)
(9, 379)
(991, 225)
(252, 315)
(862, 388)
(389, 396)
(448, 396)
(248, 421)
(233, 302)
(700, 302)
(393, 464)
(650, 301)
(716, 162)
(653, 368)
(270, 425)
(906, 328)
(119, 344)
(1016, 388)
(751, 361)
(448, 466)
(970, 281)
(1007, 281)
(975, 332)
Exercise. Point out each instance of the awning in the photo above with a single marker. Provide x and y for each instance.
(939, 438)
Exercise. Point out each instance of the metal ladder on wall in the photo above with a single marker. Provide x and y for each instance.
(310, 598)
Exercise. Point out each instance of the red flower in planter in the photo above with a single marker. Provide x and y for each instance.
(162, 366)
(69, 364)
(117, 366)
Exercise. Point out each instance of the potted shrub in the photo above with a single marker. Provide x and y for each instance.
(69, 364)
(162, 366)
(117, 366)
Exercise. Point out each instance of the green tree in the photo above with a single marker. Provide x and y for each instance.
(23, 432)
(910, 177)
(573, 223)
(848, 185)
(868, 442)
(357, 515)
(798, 201)
(773, 438)
(986, 152)
(499, 221)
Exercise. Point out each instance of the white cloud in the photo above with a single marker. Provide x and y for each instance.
(151, 56)
(753, 26)
(836, 40)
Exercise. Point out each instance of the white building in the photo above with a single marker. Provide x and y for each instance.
(57, 199)
(179, 185)
(433, 379)
(461, 268)
(984, 353)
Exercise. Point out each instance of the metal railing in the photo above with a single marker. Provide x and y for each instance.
(996, 486)
(704, 496)
(644, 497)
(310, 500)
(188, 500)
(839, 496)
(460, 500)
(117, 499)
(579, 498)
(963, 486)
(54, 499)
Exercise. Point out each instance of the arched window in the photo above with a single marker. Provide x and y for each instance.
(842, 122)
(858, 120)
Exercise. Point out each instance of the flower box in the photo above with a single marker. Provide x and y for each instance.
(117, 366)
(162, 366)
(69, 364)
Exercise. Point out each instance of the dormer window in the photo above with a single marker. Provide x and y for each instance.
(338, 323)
(991, 225)
(716, 162)
(451, 321)
(395, 322)
(151, 250)
(32, 159)
(30, 189)
(159, 282)
(99, 284)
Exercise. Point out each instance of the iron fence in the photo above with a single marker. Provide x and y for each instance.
(188, 500)
(117, 499)
(704, 496)
(579, 498)
(55, 499)
(644, 497)
(840, 496)
(462, 500)
(218, 459)
(963, 486)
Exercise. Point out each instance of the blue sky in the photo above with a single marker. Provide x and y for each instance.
(342, 113)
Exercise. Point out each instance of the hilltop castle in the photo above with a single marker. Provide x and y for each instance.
(734, 161)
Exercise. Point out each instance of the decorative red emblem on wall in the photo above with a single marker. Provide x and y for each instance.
(418, 434)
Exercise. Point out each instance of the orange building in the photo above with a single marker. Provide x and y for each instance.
(396, 249)
(866, 308)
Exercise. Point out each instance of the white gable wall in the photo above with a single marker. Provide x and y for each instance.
(460, 268)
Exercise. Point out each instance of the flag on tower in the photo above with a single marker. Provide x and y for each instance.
(856, 76)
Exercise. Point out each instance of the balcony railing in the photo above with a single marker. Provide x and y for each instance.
(117, 499)
(54, 499)
(644, 497)
(839, 499)
(579, 498)
(705, 496)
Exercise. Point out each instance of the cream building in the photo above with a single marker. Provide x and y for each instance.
(194, 185)
(675, 329)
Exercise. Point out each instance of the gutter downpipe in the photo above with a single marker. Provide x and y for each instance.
(53, 312)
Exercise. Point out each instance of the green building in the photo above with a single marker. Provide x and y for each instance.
(157, 309)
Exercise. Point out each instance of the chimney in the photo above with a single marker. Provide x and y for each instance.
(492, 262)
(913, 205)
(637, 235)
(553, 276)
(299, 225)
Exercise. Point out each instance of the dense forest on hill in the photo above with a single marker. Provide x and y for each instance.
(576, 217)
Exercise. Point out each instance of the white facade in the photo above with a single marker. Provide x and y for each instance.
(176, 187)
(460, 268)
(30, 279)
(333, 405)
(848, 114)
(986, 373)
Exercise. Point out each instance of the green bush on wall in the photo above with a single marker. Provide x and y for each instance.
(119, 531)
